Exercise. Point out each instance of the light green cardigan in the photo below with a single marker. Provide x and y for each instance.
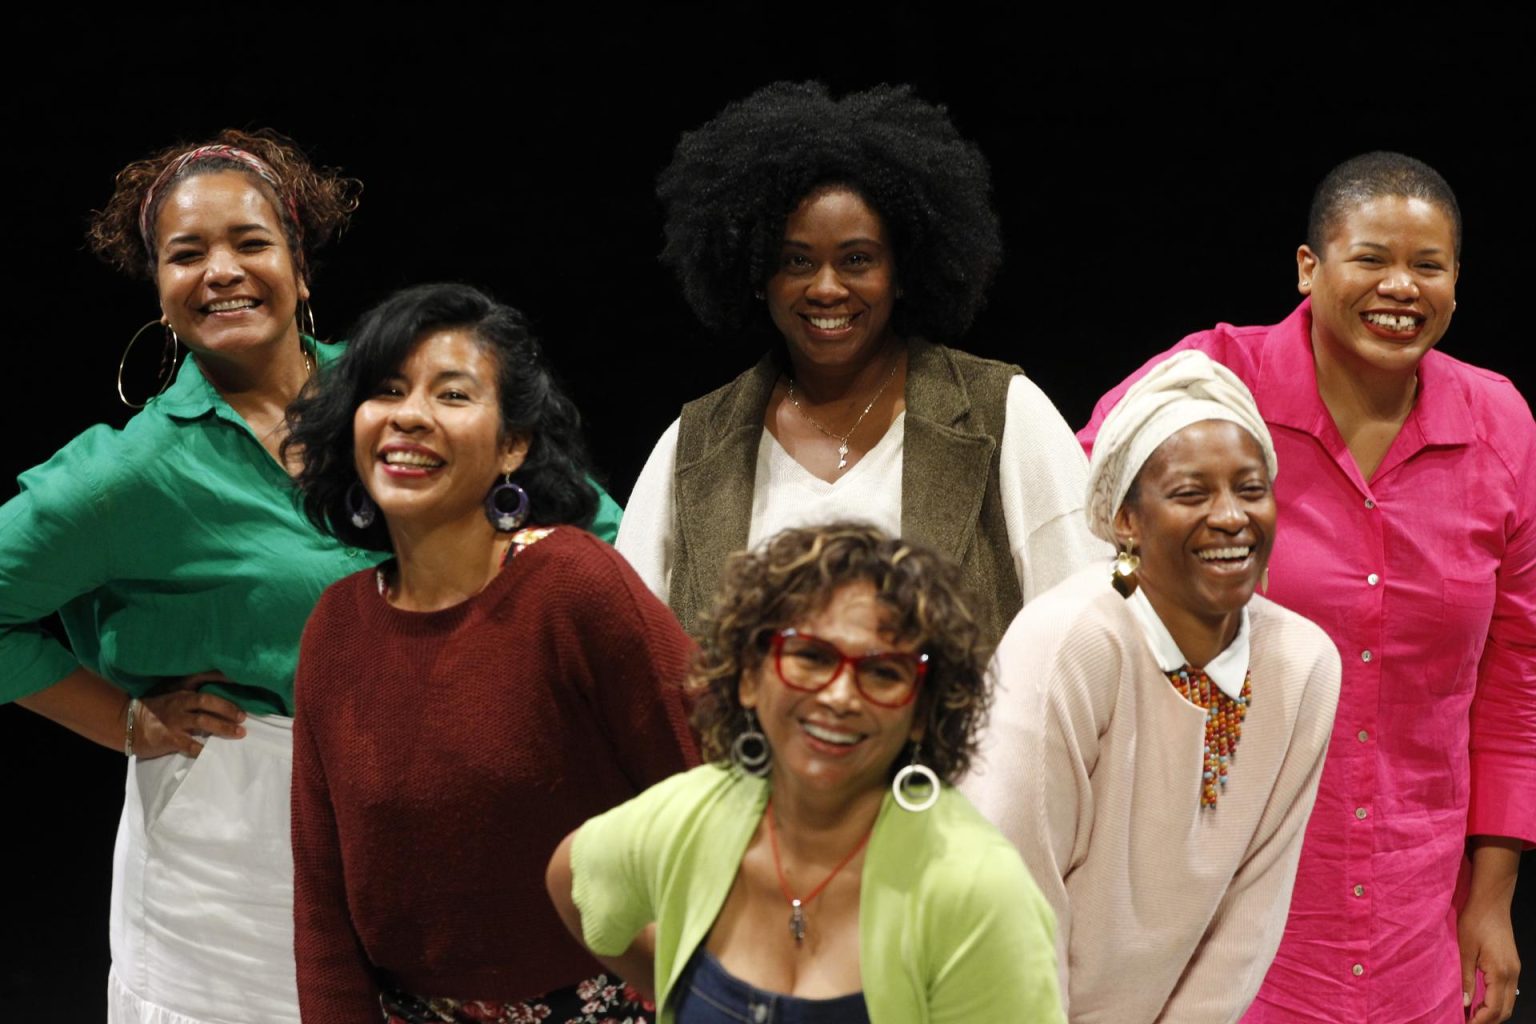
(951, 926)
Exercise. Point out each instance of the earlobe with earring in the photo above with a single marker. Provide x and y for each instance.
(749, 750)
(1123, 576)
(916, 786)
(167, 371)
(507, 506)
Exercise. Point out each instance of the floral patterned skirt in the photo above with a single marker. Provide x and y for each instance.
(597, 1000)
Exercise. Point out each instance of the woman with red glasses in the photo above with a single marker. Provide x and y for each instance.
(821, 869)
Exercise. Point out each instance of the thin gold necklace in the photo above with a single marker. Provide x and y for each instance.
(842, 439)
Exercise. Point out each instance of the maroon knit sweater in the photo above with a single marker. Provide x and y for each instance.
(439, 758)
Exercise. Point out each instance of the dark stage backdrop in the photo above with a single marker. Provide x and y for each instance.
(1152, 181)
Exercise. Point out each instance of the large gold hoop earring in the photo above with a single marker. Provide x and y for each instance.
(167, 372)
(305, 316)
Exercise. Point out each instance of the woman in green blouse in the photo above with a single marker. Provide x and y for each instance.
(175, 554)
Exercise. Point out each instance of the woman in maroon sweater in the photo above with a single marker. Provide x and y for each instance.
(463, 707)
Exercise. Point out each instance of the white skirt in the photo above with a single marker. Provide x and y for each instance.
(202, 886)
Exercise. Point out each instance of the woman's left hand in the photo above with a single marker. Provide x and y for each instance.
(177, 719)
(1486, 933)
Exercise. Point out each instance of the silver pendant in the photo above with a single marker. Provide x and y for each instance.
(796, 922)
(842, 455)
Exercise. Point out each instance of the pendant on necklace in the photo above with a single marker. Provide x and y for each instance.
(796, 922)
(842, 455)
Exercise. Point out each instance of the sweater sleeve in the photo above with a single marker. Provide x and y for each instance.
(336, 984)
(1226, 971)
(1040, 749)
(1044, 479)
(1005, 957)
(633, 657)
(54, 547)
(645, 535)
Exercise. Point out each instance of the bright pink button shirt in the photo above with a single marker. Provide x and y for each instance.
(1425, 577)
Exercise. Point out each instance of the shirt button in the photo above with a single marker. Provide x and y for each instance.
(1360, 812)
(1362, 735)
(1365, 655)
(1359, 890)
(1357, 970)
(1369, 503)
(1373, 579)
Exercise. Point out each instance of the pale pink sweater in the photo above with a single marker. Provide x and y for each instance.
(1091, 766)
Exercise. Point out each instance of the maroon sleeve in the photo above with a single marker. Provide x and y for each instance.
(335, 981)
(633, 661)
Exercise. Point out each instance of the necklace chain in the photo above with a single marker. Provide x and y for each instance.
(842, 439)
(796, 905)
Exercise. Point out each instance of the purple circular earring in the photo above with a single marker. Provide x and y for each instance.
(497, 510)
(360, 507)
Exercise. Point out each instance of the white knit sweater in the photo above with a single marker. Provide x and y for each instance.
(1091, 765)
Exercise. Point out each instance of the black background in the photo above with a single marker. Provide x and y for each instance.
(1152, 179)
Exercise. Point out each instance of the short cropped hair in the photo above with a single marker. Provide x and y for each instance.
(1372, 176)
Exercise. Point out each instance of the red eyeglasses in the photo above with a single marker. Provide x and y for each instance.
(809, 663)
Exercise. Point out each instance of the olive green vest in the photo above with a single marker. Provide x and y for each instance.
(950, 497)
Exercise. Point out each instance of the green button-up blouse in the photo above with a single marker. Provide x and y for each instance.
(175, 545)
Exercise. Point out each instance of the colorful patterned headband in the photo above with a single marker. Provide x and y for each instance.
(256, 164)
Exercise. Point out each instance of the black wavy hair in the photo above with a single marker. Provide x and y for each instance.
(1371, 176)
(734, 182)
(555, 470)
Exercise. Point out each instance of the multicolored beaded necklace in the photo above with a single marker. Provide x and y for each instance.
(1223, 725)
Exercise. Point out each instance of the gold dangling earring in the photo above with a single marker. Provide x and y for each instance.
(167, 372)
(1123, 578)
(1264, 581)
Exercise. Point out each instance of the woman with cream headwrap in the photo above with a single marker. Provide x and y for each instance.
(1156, 744)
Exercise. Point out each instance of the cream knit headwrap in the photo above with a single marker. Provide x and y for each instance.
(1186, 389)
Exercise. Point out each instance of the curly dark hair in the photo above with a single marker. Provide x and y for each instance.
(1371, 176)
(794, 576)
(320, 197)
(554, 472)
(733, 183)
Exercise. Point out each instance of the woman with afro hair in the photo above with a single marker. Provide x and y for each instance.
(854, 239)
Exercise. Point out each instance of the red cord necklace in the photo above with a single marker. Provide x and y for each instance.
(797, 906)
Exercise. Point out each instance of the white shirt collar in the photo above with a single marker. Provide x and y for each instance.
(1227, 670)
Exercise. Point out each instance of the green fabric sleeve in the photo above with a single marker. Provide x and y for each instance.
(53, 548)
(606, 523)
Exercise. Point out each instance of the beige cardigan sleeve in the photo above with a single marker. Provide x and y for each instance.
(1041, 746)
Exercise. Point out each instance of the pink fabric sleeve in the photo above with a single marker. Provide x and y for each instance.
(1503, 735)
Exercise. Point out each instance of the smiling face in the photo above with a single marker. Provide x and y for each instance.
(832, 294)
(225, 274)
(833, 742)
(1384, 287)
(428, 443)
(1203, 522)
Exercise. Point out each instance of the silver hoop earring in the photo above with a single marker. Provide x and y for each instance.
(167, 372)
(749, 750)
(506, 519)
(916, 786)
(360, 507)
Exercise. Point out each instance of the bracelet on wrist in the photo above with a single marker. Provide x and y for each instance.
(133, 714)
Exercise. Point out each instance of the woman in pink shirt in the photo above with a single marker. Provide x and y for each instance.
(1408, 512)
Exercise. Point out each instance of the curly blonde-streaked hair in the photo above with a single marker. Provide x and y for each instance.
(793, 577)
(320, 197)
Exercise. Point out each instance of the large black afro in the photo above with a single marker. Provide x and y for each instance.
(733, 183)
